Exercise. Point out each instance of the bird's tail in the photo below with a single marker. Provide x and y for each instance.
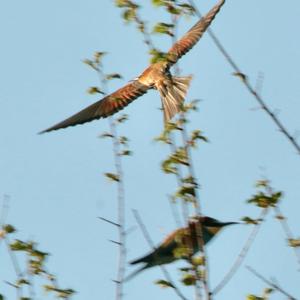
(134, 273)
(173, 94)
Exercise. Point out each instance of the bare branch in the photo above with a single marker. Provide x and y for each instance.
(286, 228)
(121, 193)
(242, 254)
(270, 283)
(108, 221)
(282, 128)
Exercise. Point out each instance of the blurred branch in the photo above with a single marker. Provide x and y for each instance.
(286, 228)
(16, 267)
(152, 246)
(237, 71)
(118, 177)
(242, 254)
(270, 283)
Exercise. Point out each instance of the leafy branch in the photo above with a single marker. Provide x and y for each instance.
(120, 149)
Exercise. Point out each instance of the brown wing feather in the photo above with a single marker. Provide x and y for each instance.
(105, 107)
(193, 35)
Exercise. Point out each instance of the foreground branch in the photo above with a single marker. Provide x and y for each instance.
(270, 283)
(242, 254)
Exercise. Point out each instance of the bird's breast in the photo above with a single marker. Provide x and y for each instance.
(152, 75)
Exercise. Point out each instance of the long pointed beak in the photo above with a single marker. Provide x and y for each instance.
(230, 223)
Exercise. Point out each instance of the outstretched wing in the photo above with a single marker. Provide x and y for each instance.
(105, 107)
(186, 43)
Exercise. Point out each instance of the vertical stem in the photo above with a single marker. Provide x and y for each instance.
(121, 211)
(197, 207)
(16, 266)
(199, 229)
(121, 195)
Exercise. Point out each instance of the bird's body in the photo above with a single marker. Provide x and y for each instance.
(181, 243)
(157, 76)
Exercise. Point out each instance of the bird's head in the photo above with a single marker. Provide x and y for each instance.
(211, 224)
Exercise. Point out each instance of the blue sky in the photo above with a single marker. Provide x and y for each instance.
(55, 180)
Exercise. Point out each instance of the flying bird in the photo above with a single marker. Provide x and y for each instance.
(180, 242)
(172, 89)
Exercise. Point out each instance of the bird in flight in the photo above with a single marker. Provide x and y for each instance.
(172, 89)
(181, 243)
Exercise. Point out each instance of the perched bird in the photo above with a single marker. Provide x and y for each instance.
(181, 243)
(172, 89)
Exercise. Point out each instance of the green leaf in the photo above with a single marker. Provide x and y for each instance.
(61, 293)
(173, 10)
(126, 153)
(164, 283)
(23, 281)
(168, 167)
(267, 292)
(190, 180)
(113, 177)
(122, 3)
(163, 28)
(294, 243)
(195, 136)
(129, 15)
(187, 9)
(122, 118)
(123, 140)
(249, 220)
(18, 245)
(158, 2)
(113, 76)
(158, 56)
(188, 279)
(9, 228)
(262, 183)
(253, 297)
(98, 56)
(91, 64)
(191, 106)
(106, 135)
(94, 90)
(242, 76)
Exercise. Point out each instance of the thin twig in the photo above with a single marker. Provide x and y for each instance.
(242, 254)
(3, 216)
(109, 221)
(282, 128)
(120, 197)
(16, 266)
(179, 176)
(270, 283)
(197, 207)
(286, 228)
(151, 244)
(185, 211)
(175, 212)
(30, 277)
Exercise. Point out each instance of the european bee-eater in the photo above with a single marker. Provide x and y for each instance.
(172, 89)
(181, 243)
